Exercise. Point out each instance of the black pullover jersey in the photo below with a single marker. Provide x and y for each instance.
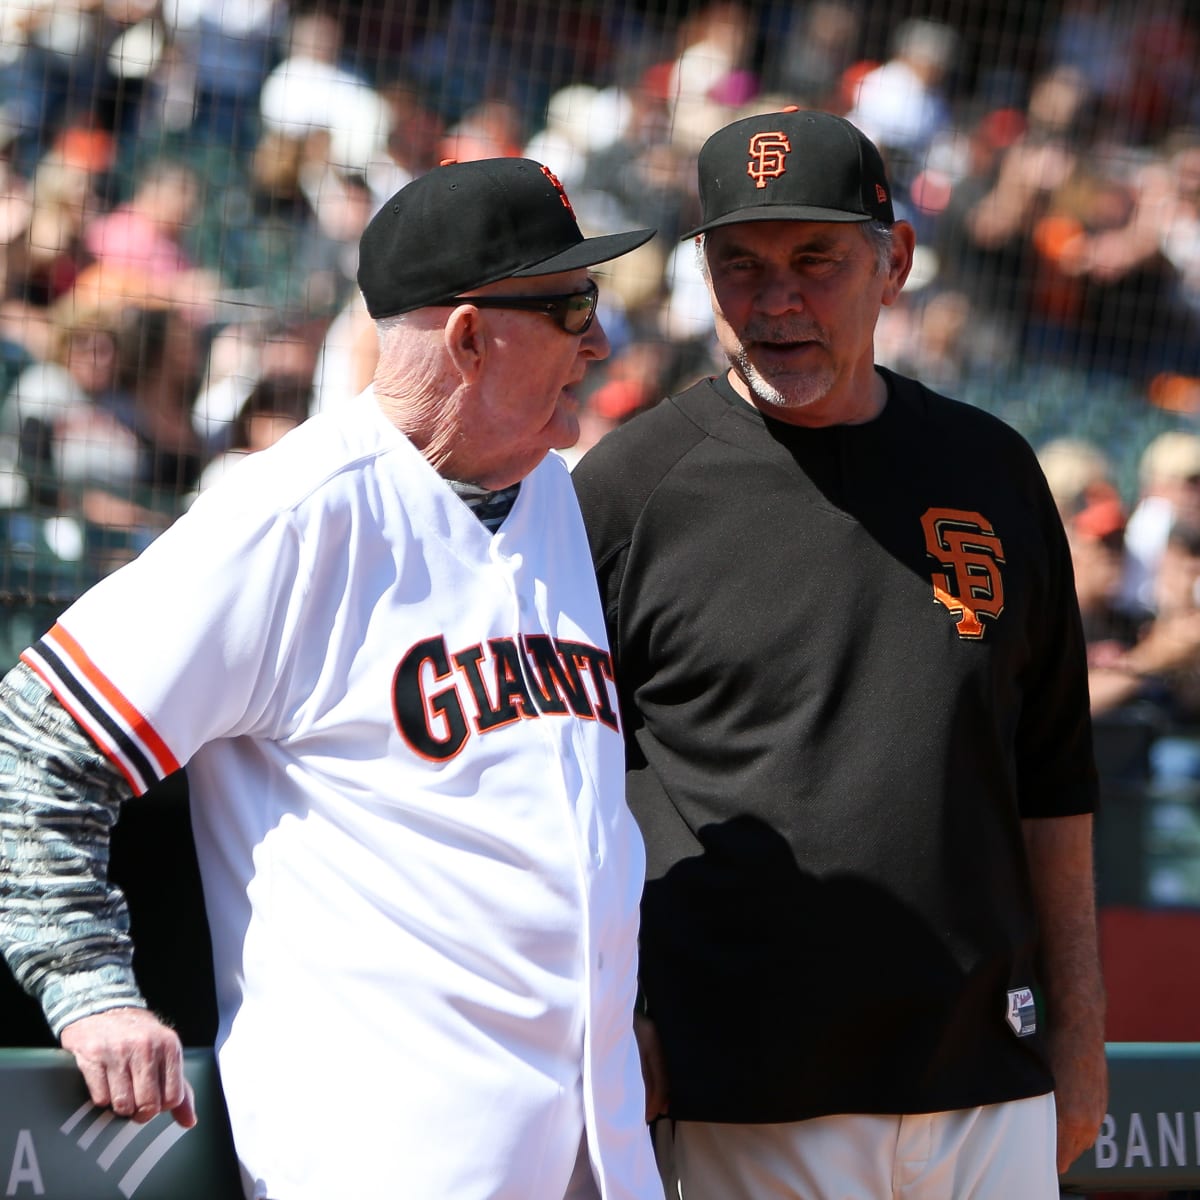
(850, 664)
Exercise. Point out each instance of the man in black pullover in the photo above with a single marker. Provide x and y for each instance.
(857, 736)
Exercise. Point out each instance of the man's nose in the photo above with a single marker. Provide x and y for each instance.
(595, 342)
(781, 293)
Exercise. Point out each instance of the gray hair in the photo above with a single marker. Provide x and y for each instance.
(879, 235)
(388, 325)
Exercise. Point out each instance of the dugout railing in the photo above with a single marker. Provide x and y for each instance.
(56, 1145)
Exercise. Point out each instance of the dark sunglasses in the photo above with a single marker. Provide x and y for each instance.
(573, 312)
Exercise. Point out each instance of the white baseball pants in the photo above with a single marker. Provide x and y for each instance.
(998, 1152)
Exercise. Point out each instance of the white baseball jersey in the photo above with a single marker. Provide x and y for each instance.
(407, 791)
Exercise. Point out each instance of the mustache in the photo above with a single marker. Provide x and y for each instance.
(782, 331)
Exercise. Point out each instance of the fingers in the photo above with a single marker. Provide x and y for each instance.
(132, 1063)
(1070, 1147)
(185, 1111)
(176, 1093)
(1074, 1137)
(654, 1067)
(654, 1076)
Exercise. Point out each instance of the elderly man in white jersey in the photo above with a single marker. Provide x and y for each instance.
(379, 650)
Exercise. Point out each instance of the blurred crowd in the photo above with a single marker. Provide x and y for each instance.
(1137, 576)
(183, 184)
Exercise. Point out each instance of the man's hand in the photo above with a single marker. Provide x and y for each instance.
(1080, 1092)
(654, 1066)
(132, 1062)
(1060, 868)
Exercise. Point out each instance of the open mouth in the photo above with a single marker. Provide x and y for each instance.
(784, 349)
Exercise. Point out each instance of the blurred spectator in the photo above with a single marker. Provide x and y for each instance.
(276, 404)
(1168, 658)
(1135, 655)
(1080, 477)
(1168, 491)
(103, 431)
(644, 170)
(1160, 91)
(327, 257)
(712, 73)
(132, 454)
(489, 129)
(240, 357)
(1106, 296)
(1139, 60)
(810, 61)
(47, 61)
(933, 333)
(413, 143)
(1016, 162)
(1157, 668)
(581, 121)
(139, 246)
(1152, 660)
(986, 261)
(903, 103)
(63, 200)
(1076, 471)
(1095, 526)
(1091, 38)
(1161, 231)
(264, 242)
(50, 395)
(223, 51)
(311, 90)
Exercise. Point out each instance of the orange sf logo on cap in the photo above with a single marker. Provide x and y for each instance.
(558, 187)
(767, 161)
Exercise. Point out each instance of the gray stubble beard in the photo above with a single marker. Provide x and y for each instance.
(808, 390)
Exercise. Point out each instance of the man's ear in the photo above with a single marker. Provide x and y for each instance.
(466, 341)
(904, 242)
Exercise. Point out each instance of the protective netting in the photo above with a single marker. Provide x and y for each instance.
(183, 183)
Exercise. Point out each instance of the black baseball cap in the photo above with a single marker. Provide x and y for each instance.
(794, 165)
(465, 224)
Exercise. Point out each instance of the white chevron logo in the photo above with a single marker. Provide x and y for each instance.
(163, 1132)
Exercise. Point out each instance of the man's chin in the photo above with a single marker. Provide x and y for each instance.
(787, 393)
(782, 389)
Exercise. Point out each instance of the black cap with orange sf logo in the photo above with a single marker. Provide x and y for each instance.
(794, 165)
(466, 224)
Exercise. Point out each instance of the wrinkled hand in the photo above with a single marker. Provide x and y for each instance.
(1080, 1094)
(654, 1066)
(132, 1062)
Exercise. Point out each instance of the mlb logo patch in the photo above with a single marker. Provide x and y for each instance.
(1022, 1011)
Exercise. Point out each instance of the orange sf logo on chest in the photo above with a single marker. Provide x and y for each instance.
(767, 161)
(970, 584)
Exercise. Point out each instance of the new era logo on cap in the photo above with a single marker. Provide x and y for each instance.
(794, 165)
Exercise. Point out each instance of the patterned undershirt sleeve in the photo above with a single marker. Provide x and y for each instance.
(63, 928)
